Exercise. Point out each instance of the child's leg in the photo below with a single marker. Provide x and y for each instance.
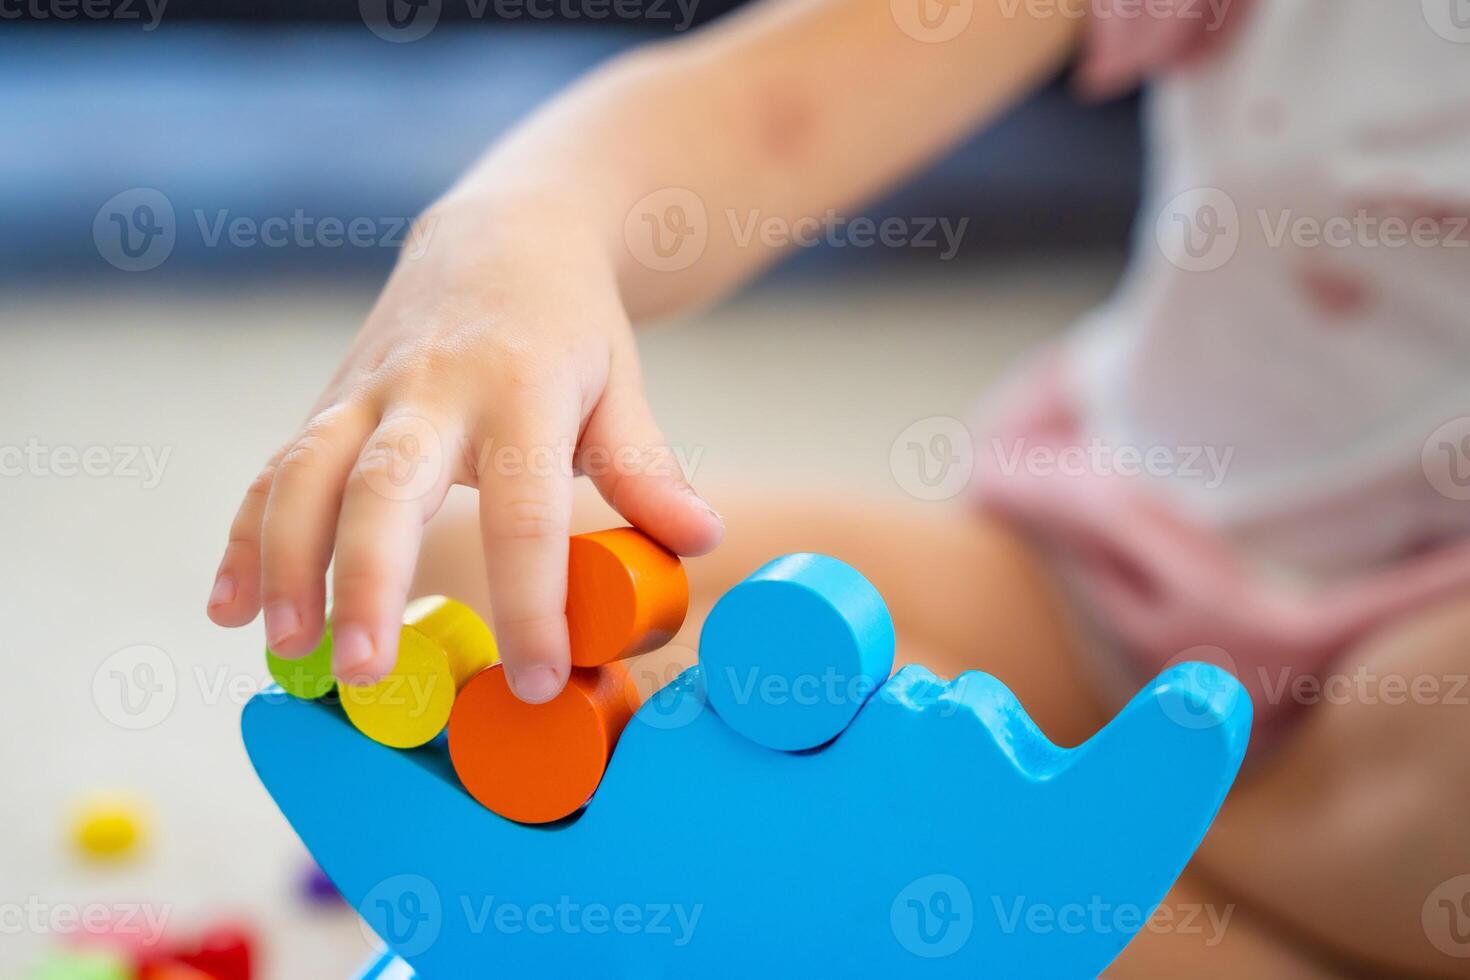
(1203, 933)
(965, 593)
(1351, 832)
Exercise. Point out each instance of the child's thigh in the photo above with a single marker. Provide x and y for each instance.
(965, 591)
(1202, 932)
(1355, 830)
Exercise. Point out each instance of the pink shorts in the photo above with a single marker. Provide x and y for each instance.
(1151, 588)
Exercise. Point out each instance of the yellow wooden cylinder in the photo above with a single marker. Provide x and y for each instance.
(442, 645)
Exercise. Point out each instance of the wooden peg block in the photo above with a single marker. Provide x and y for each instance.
(225, 952)
(535, 763)
(68, 964)
(626, 595)
(109, 829)
(442, 645)
(309, 677)
(791, 653)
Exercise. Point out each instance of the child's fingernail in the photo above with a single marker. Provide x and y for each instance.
(281, 620)
(535, 684)
(351, 651)
(223, 591)
(703, 504)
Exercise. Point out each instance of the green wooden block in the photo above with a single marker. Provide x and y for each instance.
(75, 964)
(310, 677)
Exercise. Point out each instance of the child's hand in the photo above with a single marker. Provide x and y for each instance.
(506, 342)
(504, 366)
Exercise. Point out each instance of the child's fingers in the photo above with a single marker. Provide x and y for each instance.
(300, 523)
(399, 481)
(625, 455)
(525, 521)
(235, 598)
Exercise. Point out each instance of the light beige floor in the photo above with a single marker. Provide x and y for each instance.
(808, 383)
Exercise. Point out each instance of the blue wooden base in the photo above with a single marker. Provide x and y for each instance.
(940, 834)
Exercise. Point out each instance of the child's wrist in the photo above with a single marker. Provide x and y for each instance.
(494, 227)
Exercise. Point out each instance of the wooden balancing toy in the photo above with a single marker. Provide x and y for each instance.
(782, 808)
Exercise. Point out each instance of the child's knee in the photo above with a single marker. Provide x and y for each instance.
(1401, 697)
(1365, 797)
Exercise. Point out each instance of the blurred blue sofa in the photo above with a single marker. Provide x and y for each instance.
(325, 119)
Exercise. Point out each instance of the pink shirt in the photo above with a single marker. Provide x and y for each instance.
(1261, 443)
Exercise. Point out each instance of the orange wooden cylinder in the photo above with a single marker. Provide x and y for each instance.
(535, 763)
(626, 595)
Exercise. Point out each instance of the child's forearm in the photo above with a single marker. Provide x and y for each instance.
(783, 112)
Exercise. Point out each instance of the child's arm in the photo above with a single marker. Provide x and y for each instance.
(502, 339)
(782, 111)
